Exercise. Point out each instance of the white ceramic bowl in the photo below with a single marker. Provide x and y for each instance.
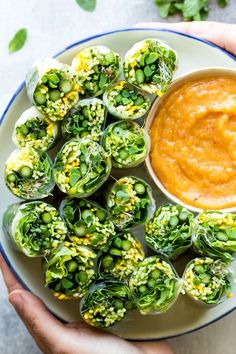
(184, 316)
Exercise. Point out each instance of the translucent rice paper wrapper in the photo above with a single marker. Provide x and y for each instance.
(127, 144)
(215, 235)
(223, 271)
(34, 78)
(25, 138)
(155, 285)
(135, 60)
(33, 228)
(92, 79)
(120, 257)
(120, 108)
(71, 177)
(66, 280)
(169, 232)
(94, 115)
(38, 182)
(88, 223)
(106, 303)
(127, 201)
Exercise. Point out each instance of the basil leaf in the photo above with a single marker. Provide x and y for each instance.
(87, 5)
(18, 40)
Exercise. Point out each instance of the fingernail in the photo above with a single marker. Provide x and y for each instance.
(16, 300)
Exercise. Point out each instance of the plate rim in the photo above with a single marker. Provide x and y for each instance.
(20, 88)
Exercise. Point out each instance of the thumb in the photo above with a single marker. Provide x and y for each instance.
(221, 34)
(45, 329)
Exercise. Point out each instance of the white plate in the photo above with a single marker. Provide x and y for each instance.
(185, 316)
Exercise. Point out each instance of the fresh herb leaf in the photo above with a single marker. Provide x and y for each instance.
(87, 5)
(223, 3)
(18, 40)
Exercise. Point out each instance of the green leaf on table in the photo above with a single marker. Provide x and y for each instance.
(193, 9)
(223, 3)
(18, 40)
(87, 5)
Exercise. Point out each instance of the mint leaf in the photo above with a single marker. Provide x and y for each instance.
(87, 5)
(18, 40)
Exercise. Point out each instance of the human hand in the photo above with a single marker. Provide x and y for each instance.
(221, 34)
(53, 337)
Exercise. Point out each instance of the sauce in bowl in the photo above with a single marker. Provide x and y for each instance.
(193, 142)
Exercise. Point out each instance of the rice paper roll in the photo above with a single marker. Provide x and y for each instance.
(207, 281)
(86, 119)
(29, 173)
(215, 235)
(127, 144)
(87, 222)
(34, 228)
(150, 65)
(120, 257)
(130, 202)
(70, 270)
(81, 167)
(169, 232)
(96, 68)
(155, 285)
(125, 101)
(33, 129)
(52, 88)
(106, 304)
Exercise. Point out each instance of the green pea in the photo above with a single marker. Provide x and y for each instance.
(173, 221)
(107, 261)
(39, 98)
(118, 304)
(139, 76)
(221, 236)
(139, 188)
(183, 215)
(126, 245)
(101, 215)
(26, 172)
(117, 242)
(82, 203)
(66, 284)
(151, 58)
(87, 215)
(11, 177)
(46, 217)
(115, 252)
(71, 266)
(151, 283)
(155, 274)
(199, 269)
(80, 228)
(84, 124)
(129, 305)
(54, 95)
(81, 277)
(24, 130)
(142, 289)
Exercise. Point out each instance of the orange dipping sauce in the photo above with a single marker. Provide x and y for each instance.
(193, 142)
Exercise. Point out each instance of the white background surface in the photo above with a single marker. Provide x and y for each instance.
(53, 25)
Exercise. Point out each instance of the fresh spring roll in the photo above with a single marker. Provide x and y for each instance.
(52, 88)
(120, 257)
(215, 235)
(70, 270)
(130, 202)
(96, 68)
(207, 281)
(81, 167)
(106, 303)
(29, 173)
(88, 223)
(150, 65)
(86, 119)
(33, 129)
(34, 228)
(126, 142)
(169, 232)
(125, 101)
(155, 285)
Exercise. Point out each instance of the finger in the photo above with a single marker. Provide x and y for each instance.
(160, 347)
(221, 34)
(10, 280)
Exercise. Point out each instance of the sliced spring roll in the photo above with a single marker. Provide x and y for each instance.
(29, 173)
(70, 270)
(96, 68)
(155, 285)
(81, 167)
(150, 65)
(125, 101)
(127, 144)
(34, 228)
(88, 223)
(106, 303)
(52, 88)
(169, 232)
(130, 202)
(120, 257)
(215, 235)
(207, 281)
(33, 129)
(86, 119)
